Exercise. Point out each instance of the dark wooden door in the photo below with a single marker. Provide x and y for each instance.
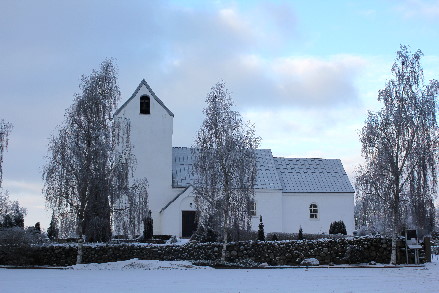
(188, 223)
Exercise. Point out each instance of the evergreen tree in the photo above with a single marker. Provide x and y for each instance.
(148, 227)
(332, 228)
(337, 227)
(52, 232)
(38, 227)
(300, 236)
(342, 228)
(261, 234)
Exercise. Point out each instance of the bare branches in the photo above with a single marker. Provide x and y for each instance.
(5, 130)
(90, 159)
(400, 144)
(225, 165)
(131, 209)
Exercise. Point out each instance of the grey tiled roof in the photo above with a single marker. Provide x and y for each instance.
(182, 161)
(312, 175)
(267, 176)
(286, 174)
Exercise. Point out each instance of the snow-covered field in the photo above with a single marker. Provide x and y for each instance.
(156, 276)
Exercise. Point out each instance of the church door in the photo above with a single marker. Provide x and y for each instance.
(188, 223)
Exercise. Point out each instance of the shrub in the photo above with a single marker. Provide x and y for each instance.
(162, 237)
(204, 235)
(38, 227)
(17, 236)
(295, 236)
(337, 227)
(243, 235)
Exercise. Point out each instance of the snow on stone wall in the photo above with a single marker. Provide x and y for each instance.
(337, 251)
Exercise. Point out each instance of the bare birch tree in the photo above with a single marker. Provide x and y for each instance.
(5, 129)
(90, 160)
(11, 214)
(400, 144)
(225, 166)
(129, 211)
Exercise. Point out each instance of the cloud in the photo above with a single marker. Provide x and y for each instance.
(181, 51)
(305, 133)
(318, 83)
(25, 186)
(28, 194)
(419, 9)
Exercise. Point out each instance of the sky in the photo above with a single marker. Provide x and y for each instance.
(305, 73)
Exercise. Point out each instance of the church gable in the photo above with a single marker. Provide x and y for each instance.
(144, 94)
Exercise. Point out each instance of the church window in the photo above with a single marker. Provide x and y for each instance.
(145, 105)
(313, 211)
(253, 208)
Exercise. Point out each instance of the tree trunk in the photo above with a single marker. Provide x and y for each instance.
(80, 251)
(80, 242)
(223, 252)
(395, 224)
(394, 247)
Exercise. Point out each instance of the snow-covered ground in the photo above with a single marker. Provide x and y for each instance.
(156, 276)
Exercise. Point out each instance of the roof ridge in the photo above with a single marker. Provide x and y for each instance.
(144, 83)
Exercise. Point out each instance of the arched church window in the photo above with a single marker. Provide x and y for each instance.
(253, 209)
(145, 105)
(313, 211)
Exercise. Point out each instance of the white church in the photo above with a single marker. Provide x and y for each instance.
(289, 193)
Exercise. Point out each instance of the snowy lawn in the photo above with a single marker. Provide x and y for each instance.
(155, 276)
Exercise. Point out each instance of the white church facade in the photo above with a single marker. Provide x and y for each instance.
(289, 193)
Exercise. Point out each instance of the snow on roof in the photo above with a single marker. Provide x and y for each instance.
(312, 175)
(266, 177)
(182, 161)
(286, 174)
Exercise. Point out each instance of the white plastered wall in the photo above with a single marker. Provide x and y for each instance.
(331, 207)
(269, 205)
(172, 216)
(151, 136)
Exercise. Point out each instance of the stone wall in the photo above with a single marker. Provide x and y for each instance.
(337, 251)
